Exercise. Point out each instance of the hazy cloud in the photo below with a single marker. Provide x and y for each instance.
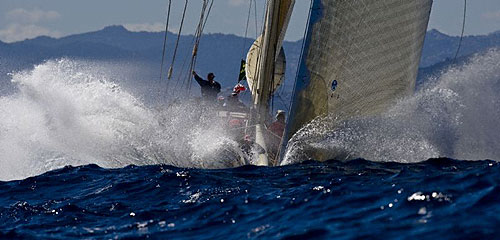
(24, 24)
(18, 32)
(148, 27)
(492, 15)
(31, 16)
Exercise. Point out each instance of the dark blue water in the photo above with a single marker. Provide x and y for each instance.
(439, 198)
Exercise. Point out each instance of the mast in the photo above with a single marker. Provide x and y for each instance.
(268, 55)
(262, 92)
(265, 68)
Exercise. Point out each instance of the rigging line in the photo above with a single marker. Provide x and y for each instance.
(260, 55)
(282, 85)
(257, 73)
(165, 41)
(282, 100)
(199, 32)
(164, 49)
(275, 56)
(463, 29)
(284, 142)
(302, 52)
(203, 28)
(205, 21)
(200, 25)
(196, 40)
(255, 16)
(187, 80)
(184, 75)
(177, 42)
(208, 14)
(264, 11)
(179, 76)
(246, 31)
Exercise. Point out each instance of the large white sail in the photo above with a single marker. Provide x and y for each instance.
(359, 57)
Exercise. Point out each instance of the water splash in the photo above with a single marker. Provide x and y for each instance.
(455, 116)
(69, 113)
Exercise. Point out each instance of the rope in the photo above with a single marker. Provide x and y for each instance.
(283, 139)
(302, 50)
(208, 14)
(246, 30)
(463, 29)
(245, 37)
(165, 40)
(195, 46)
(184, 75)
(177, 42)
(282, 101)
(257, 73)
(273, 81)
(198, 34)
(255, 16)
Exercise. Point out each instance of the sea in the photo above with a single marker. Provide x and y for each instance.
(82, 157)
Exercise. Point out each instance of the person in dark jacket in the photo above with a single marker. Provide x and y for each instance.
(209, 88)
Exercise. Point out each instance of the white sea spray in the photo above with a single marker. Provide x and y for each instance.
(456, 115)
(68, 112)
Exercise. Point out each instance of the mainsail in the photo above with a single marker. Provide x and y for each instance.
(359, 56)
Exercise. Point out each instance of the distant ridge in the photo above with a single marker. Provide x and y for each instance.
(115, 28)
(439, 47)
(220, 53)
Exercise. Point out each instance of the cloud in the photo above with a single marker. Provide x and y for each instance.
(237, 2)
(31, 16)
(24, 24)
(492, 15)
(147, 27)
(18, 32)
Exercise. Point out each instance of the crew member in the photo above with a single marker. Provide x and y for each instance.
(209, 88)
(233, 102)
(278, 126)
(275, 134)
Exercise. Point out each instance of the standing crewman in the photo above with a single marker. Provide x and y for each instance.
(275, 133)
(209, 88)
(278, 127)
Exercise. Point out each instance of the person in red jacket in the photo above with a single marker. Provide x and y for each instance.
(278, 126)
(275, 133)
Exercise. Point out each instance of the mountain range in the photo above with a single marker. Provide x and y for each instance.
(218, 53)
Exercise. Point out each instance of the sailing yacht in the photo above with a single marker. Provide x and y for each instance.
(358, 58)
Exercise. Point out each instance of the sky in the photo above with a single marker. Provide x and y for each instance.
(21, 19)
